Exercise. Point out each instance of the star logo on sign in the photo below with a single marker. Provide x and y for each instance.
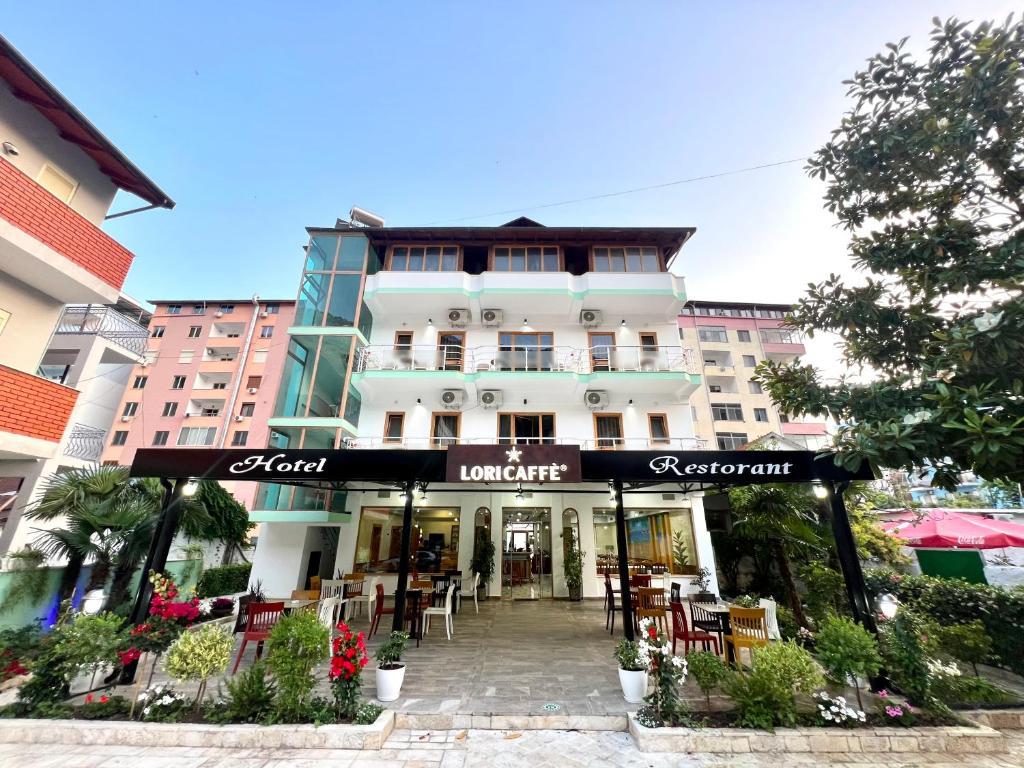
(513, 455)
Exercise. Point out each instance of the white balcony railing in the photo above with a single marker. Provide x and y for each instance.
(514, 358)
(85, 442)
(586, 443)
(99, 320)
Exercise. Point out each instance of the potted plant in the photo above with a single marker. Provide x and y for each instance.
(483, 562)
(221, 607)
(702, 581)
(632, 671)
(572, 567)
(390, 670)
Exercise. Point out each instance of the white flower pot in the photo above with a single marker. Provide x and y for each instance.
(389, 683)
(93, 601)
(634, 685)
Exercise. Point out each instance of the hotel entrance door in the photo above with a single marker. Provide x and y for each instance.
(526, 554)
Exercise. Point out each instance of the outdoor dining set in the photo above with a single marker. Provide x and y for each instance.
(711, 624)
(336, 600)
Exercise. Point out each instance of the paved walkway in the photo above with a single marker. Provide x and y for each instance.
(465, 749)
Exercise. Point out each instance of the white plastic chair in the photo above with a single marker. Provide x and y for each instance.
(369, 596)
(446, 611)
(330, 608)
(771, 618)
(476, 585)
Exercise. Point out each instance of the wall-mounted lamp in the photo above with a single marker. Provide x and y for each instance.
(519, 494)
(190, 487)
(820, 491)
(623, 322)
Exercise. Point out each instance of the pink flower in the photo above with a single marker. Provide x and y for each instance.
(894, 712)
(883, 693)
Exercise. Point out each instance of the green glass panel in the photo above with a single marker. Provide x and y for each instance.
(312, 299)
(365, 321)
(295, 378)
(352, 407)
(353, 251)
(325, 399)
(320, 256)
(319, 439)
(338, 499)
(376, 260)
(342, 310)
(273, 496)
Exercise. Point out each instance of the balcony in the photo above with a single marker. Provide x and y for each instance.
(85, 442)
(33, 414)
(556, 297)
(107, 323)
(585, 443)
(781, 344)
(803, 428)
(54, 249)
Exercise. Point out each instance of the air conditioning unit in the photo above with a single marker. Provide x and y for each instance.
(126, 418)
(596, 399)
(239, 418)
(491, 398)
(218, 313)
(491, 317)
(452, 399)
(458, 318)
(253, 390)
(591, 318)
(264, 314)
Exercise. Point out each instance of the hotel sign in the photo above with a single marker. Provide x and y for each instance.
(513, 464)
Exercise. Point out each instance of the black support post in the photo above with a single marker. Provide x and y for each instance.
(625, 595)
(398, 621)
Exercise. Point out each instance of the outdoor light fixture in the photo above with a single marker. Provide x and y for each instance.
(888, 605)
(190, 487)
(403, 496)
(612, 496)
(423, 493)
(820, 491)
(519, 494)
(623, 322)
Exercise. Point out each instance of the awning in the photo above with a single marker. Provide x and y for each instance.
(945, 529)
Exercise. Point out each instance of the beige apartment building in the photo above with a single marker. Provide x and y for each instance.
(730, 410)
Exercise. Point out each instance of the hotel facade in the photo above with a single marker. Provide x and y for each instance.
(496, 343)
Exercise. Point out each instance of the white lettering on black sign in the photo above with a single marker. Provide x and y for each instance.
(670, 464)
(274, 463)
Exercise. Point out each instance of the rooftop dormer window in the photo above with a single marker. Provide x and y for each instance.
(532, 258)
(424, 258)
(637, 259)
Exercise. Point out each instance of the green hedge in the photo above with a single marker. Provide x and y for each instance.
(954, 601)
(224, 580)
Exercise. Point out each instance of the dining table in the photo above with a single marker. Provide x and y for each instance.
(293, 605)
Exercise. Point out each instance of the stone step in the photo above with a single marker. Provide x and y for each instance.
(494, 722)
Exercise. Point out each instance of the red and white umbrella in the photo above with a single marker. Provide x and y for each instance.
(946, 529)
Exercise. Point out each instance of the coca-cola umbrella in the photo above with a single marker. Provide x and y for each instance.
(948, 529)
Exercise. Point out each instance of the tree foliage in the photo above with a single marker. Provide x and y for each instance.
(926, 173)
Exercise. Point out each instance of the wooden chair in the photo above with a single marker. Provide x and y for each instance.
(607, 590)
(332, 588)
(439, 586)
(353, 586)
(414, 604)
(748, 629)
(262, 618)
(676, 593)
(681, 630)
(379, 609)
(305, 594)
(314, 583)
(651, 605)
(640, 580)
(243, 613)
(703, 619)
(444, 610)
(610, 607)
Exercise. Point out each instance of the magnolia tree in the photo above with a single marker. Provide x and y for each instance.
(926, 171)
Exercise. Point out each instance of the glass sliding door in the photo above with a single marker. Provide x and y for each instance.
(526, 554)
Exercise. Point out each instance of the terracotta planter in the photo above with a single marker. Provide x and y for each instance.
(634, 685)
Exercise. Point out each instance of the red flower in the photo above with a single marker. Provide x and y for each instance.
(350, 653)
(104, 699)
(132, 654)
(362, 662)
(88, 699)
(652, 631)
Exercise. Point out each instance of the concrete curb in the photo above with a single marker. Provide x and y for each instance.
(126, 733)
(415, 721)
(953, 740)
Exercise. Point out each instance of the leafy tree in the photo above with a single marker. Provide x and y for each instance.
(226, 520)
(847, 650)
(925, 173)
(873, 543)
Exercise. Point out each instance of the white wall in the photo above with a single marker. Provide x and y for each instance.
(280, 559)
(34, 316)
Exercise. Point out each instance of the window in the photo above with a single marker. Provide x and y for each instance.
(726, 412)
(525, 352)
(219, 385)
(195, 331)
(417, 258)
(526, 428)
(755, 388)
(197, 435)
(761, 414)
(129, 409)
(730, 441)
(266, 331)
(239, 438)
(227, 309)
(742, 335)
(608, 430)
(198, 309)
(170, 409)
(174, 309)
(643, 259)
(715, 388)
(210, 411)
(178, 382)
(157, 332)
(186, 355)
(120, 437)
(649, 342)
(658, 425)
(749, 361)
(435, 538)
(259, 356)
(272, 309)
(253, 382)
(712, 333)
(444, 429)
(394, 426)
(247, 409)
(160, 437)
(140, 382)
(653, 537)
(781, 336)
(57, 183)
(534, 258)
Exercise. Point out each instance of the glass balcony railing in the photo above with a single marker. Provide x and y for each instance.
(586, 443)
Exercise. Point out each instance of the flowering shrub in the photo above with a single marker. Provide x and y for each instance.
(896, 713)
(627, 653)
(222, 605)
(664, 706)
(167, 617)
(162, 704)
(102, 707)
(347, 662)
(835, 710)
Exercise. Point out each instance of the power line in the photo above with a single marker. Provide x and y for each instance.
(625, 191)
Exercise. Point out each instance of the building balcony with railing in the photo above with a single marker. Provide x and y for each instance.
(585, 443)
(34, 413)
(782, 343)
(105, 322)
(85, 442)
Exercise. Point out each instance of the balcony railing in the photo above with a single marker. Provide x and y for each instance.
(410, 357)
(98, 320)
(586, 443)
(85, 442)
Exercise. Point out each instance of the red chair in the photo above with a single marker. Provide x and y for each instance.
(379, 609)
(640, 580)
(262, 617)
(681, 630)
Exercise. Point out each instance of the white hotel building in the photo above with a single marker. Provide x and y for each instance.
(418, 338)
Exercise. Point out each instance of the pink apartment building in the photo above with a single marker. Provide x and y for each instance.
(210, 377)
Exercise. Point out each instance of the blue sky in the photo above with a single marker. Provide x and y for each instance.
(262, 118)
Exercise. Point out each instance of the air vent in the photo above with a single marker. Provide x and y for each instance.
(668, 497)
(383, 494)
